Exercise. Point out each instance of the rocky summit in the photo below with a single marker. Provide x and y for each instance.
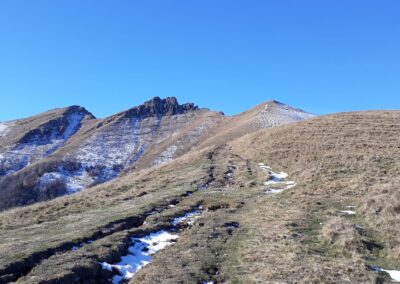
(161, 107)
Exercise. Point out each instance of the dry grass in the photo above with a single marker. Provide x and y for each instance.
(294, 237)
(341, 235)
(381, 207)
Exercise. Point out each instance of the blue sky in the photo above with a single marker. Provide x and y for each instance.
(322, 56)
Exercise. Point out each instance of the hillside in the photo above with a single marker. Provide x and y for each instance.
(228, 213)
(68, 150)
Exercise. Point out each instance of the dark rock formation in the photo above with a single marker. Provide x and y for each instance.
(160, 107)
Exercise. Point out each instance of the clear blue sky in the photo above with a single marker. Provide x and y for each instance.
(323, 55)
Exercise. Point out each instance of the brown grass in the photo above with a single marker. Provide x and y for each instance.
(294, 237)
(341, 235)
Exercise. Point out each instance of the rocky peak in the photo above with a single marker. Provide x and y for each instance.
(78, 110)
(160, 107)
(274, 103)
(61, 124)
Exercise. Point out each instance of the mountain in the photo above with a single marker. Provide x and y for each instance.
(314, 201)
(26, 141)
(265, 115)
(67, 150)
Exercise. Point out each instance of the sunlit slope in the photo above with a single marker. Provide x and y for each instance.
(331, 217)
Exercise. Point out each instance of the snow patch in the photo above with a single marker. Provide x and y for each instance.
(275, 178)
(73, 181)
(140, 254)
(348, 212)
(188, 218)
(394, 274)
(167, 155)
(5, 127)
(142, 250)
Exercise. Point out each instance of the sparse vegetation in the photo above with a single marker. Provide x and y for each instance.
(297, 236)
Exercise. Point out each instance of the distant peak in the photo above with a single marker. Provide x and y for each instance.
(78, 109)
(160, 107)
(274, 106)
(274, 102)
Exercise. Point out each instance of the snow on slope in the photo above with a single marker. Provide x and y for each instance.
(276, 113)
(190, 139)
(105, 155)
(5, 127)
(38, 144)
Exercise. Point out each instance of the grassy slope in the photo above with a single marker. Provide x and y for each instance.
(296, 236)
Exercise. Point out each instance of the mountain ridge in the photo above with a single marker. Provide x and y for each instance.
(308, 202)
(66, 150)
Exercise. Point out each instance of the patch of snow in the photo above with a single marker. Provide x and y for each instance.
(5, 127)
(167, 155)
(106, 266)
(394, 274)
(272, 190)
(188, 218)
(276, 179)
(142, 249)
(289, 186)
(140, 254)
(73, 181)
(348, 212)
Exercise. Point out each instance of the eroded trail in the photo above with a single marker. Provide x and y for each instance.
(20, 270)
(142, 248)
(109, 242)
(119, 250)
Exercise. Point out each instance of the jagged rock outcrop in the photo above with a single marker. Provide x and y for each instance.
(160, 107)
